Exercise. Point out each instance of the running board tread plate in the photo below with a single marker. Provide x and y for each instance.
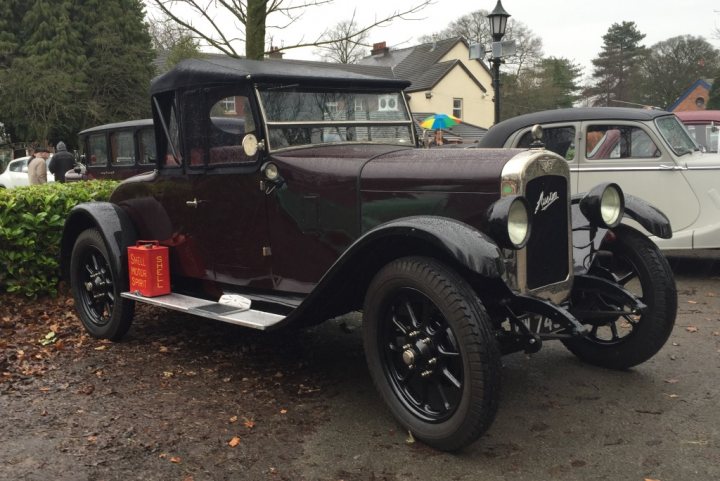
(211, 310)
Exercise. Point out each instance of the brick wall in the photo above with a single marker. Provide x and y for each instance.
(689, 103)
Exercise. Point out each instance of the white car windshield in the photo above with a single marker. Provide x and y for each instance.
(676, 135)
(297, 117)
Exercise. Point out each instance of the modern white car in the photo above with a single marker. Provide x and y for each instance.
(16, 175)
(649, 153)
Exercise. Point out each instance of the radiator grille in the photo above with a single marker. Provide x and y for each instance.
(547, 251)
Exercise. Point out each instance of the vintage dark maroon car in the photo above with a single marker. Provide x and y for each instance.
(289, 194)
(115, 151)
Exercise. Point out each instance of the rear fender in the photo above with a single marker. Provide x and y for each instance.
(115, 228)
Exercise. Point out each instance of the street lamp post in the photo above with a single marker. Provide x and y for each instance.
(498, 22)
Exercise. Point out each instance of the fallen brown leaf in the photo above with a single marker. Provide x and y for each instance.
(233, 419)
(248, 423)
(234, 442)
(671, 381)
(692, 302)
(175, 459)
(691, 329)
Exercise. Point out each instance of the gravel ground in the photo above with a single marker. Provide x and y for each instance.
(183, 398)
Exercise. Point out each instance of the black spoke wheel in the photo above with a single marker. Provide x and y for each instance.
(96, 288)
(620, 342)
(431, 352)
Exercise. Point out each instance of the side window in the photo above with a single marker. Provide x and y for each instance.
(122, 148)
(619, 142)
(216, 137)
(146, 146)
(174, 131)
(97, 150)
(560, 140)
(17, 166)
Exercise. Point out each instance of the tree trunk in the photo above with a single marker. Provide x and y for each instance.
(255, 29)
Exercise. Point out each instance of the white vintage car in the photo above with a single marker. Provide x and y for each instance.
(15, 175)
(649, 153)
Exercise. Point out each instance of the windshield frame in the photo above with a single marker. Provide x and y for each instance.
(669, 127)
(315, 127)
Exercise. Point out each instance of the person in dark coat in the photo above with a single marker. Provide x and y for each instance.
(61, 162)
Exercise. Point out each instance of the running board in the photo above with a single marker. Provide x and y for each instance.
(212, 310)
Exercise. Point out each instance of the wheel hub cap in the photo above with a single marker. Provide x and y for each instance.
(408, 357)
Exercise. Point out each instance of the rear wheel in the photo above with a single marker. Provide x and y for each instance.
(431, 352)
(96, 289)
(634, 262)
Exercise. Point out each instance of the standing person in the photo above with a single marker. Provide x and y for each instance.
(61, 162)
(37, 168)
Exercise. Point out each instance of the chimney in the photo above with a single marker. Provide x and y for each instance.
(275, 53)
(379, 48)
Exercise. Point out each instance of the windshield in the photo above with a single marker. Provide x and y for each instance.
(297, 117)
(676, 136)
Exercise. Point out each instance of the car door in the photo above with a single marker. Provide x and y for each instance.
(18, 173)
(634, 157)
(227, 207)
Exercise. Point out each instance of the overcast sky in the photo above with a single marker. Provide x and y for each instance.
(568, 28)
(571, 29)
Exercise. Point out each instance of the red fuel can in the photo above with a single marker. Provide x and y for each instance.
(148, 268)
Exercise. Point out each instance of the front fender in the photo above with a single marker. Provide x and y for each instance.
(114, 226)
(343, 287)
(644, 213)
(647, 215)
(463, 243)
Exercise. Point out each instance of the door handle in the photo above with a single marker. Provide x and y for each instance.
(670, 167)
(194, 203)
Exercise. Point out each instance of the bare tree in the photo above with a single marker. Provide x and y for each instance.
(344, 48)
(177, 42)
(475, 28)
(250, 21)
(165, 33)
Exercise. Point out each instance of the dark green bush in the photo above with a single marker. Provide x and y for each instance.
(31, 223)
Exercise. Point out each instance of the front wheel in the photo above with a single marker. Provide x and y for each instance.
(633, 261)
(431, 352)
(96, 288)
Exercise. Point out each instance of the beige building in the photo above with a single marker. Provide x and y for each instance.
(444, 79)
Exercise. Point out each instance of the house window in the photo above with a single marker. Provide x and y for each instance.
(228, 105)
(331, 107)
(457, 108)
(387, 103)
(359, 105)
(700, 103)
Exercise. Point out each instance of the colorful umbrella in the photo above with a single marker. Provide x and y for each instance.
(439, 121)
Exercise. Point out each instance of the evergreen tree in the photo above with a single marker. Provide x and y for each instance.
(120, 55)
(714, 96)
(552, 84)
(616, 71)
(8, 32)
(45, 80)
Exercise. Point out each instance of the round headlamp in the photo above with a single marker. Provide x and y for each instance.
(509, 222)
(604, 205)
(518, 223)
(611, 205)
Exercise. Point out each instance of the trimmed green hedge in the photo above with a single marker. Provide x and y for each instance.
(31, 223)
